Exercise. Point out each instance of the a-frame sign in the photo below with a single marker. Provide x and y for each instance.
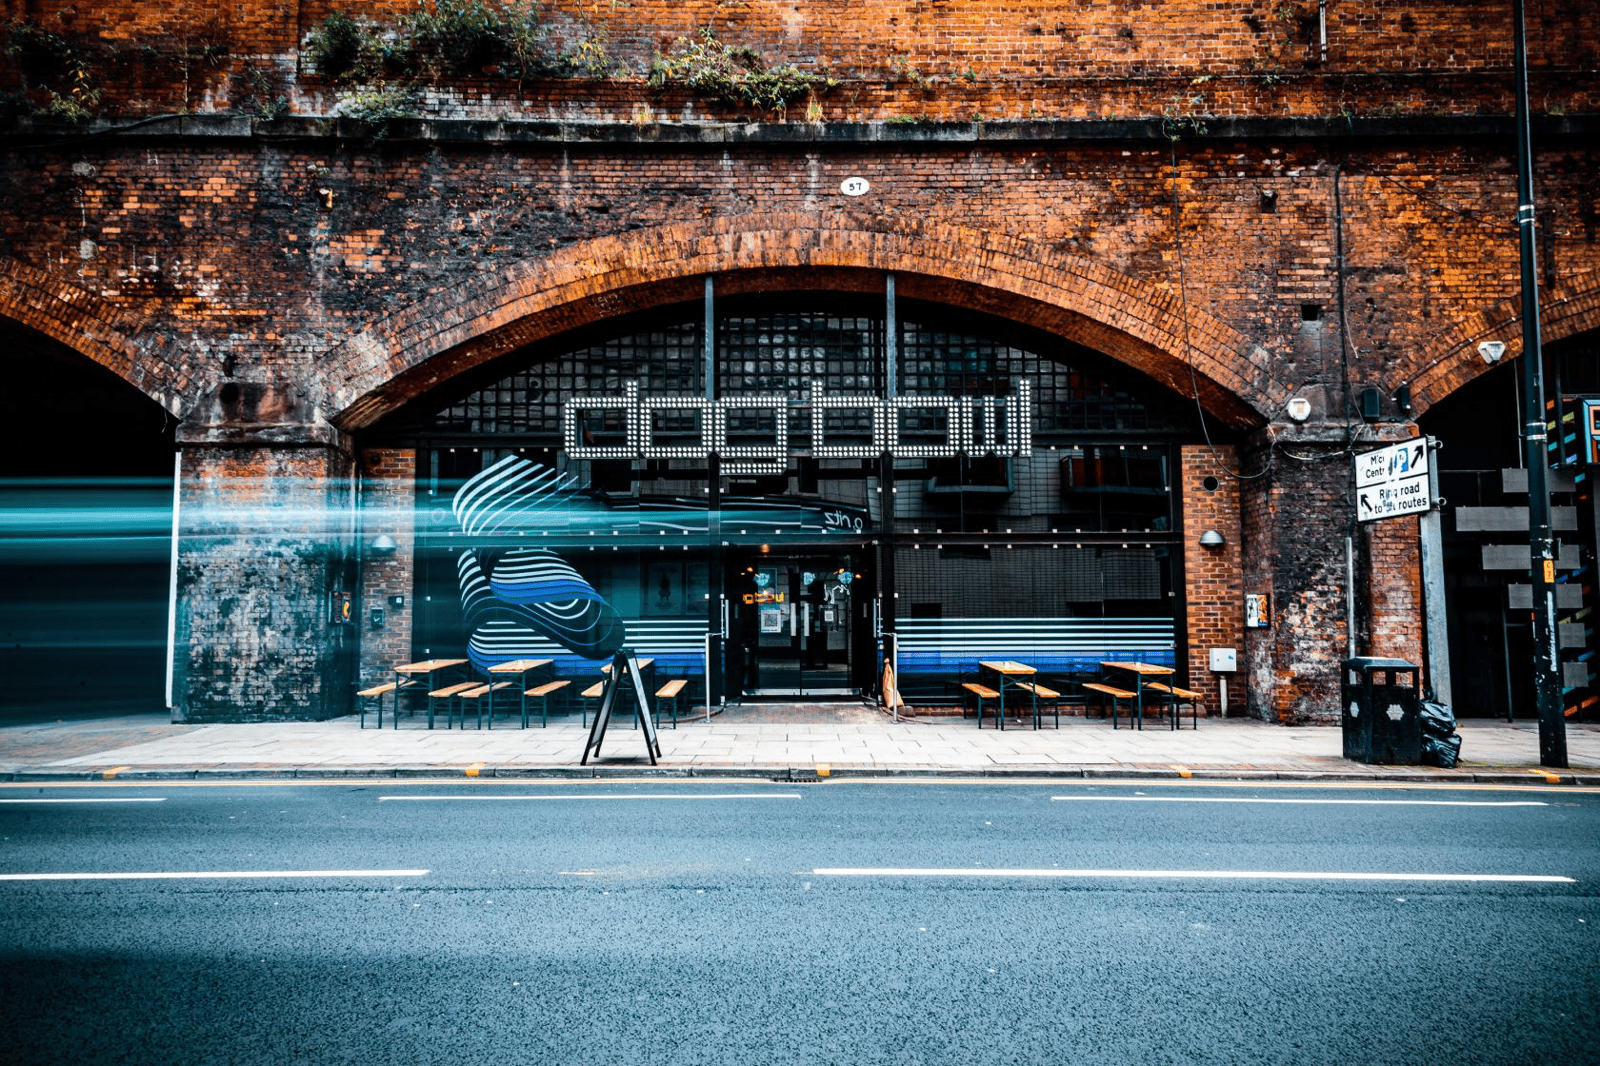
(625, 675)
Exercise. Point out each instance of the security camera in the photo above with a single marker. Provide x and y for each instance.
(1491, 351)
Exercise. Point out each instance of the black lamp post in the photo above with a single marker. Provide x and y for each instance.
(1546, 657)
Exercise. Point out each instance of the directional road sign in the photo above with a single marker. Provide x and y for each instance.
(1392, 481)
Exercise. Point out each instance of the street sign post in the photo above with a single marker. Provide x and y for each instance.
(1393, 481)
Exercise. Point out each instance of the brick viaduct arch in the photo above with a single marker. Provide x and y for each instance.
(92, 327)
(404, 355)
(1452, 360)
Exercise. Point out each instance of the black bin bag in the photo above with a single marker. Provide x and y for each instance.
(1441, 744)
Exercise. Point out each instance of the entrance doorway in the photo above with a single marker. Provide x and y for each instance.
(797, 624)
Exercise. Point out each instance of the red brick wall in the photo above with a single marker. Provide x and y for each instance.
(1213, 592)
(209, 250)
(1394, 577)
(994, 59)
(388, 488)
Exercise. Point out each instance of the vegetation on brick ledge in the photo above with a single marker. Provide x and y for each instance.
(56, 74)
(379, 66)
(451, 39)
(734, 74)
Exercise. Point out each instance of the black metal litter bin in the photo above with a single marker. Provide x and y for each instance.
(1382, 713)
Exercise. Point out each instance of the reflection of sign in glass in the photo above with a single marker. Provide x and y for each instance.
(845, 577)
(664, 593)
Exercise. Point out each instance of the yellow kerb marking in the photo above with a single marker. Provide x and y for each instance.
(1183, 771)
(114, 771)
(472, 771)
(824, 769)
(1554, 779)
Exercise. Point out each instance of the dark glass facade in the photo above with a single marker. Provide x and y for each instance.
(832, 482)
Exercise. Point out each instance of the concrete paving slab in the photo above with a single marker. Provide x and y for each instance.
(144, 747)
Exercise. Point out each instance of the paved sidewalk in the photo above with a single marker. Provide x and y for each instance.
(771, 742)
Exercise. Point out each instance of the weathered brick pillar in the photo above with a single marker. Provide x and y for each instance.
(264, 538)
(1213, 590)
(1297, 515)
(388, 508)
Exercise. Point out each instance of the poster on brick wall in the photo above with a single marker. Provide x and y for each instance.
(1255, 610)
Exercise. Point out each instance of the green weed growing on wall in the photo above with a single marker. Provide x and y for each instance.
(455, 38)
(340, 48)
(735, 74)
(57, 74)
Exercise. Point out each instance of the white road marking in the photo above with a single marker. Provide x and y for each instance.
(1217, 875)
(177, 875)
(101, 799)
(1346, 802)
(656, 796)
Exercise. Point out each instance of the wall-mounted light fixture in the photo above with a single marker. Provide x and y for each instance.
(1211, 539)
(383, 544)
(1491, 351)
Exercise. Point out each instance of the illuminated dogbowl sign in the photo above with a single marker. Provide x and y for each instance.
(994, 425)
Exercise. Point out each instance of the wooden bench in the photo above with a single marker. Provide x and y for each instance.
(671, 692)
(1116, 695)
(1175, 694)
(449, 694)
(543, 693)
(983, 692)
(378, 692)
(1045, 696)
(476, 694)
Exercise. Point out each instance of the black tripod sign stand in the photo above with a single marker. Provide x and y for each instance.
(625, 675)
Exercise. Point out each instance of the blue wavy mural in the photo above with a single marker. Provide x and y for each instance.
(516, 601)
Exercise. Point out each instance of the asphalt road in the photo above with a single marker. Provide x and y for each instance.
(753, 922)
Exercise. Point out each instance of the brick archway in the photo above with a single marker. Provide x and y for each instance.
(404, 355)
(1452, 360)
(90, 326)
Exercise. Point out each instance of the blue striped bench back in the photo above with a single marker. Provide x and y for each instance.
(948, 647)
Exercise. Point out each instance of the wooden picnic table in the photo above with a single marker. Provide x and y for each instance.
(1141, 673)
(521, 668)
(420, 675)
(1003, 669)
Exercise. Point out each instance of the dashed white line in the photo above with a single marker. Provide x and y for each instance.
(1215, 875)
(490, 798)
(1339, 802)
(179, 875)
(101, 799)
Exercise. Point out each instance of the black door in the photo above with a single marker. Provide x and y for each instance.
(792, 623)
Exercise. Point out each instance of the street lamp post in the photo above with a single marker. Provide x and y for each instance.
(1546, 657)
